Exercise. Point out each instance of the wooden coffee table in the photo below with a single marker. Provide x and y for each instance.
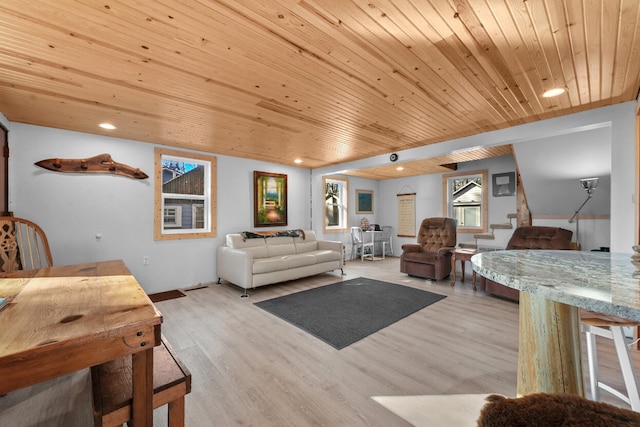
(463, 255)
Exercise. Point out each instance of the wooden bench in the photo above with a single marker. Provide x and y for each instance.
(112, 389)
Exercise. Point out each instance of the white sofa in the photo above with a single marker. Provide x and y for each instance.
(252, 262)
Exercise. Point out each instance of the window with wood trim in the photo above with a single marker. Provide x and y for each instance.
(464, 197)
(335, 192)
(185, 196)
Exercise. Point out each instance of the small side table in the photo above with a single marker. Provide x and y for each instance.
(462, 255)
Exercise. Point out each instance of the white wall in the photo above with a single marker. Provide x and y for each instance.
(354, 183)
(428, 189)
(74, 208)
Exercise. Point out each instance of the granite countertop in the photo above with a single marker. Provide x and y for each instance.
(603, 282)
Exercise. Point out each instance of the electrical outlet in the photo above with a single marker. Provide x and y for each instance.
(145, 260)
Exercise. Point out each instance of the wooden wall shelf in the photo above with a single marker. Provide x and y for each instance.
(102, 163)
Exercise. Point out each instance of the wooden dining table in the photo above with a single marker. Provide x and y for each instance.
(64, 319)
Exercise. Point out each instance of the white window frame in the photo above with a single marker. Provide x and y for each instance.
(343, 204)
(162, 232)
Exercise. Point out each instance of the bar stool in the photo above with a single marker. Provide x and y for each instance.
(610, 327)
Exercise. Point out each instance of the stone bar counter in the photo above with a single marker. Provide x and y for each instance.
(553, 285)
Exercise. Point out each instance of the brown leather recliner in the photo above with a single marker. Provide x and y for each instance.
(431, 256)
(530, 237)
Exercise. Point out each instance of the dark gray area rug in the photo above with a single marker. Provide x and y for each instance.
(345, 312)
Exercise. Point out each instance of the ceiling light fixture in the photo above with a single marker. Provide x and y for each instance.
(554, 92)
(107, 126)
(297, 161)
(399, 168)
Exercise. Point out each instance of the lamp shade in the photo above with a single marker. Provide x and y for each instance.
(589, 184)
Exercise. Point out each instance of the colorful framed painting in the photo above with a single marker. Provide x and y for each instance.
(364, 202)
(270, 199)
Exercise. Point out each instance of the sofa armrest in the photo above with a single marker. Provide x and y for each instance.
(411, 247)
(235, 266)
(331, 245)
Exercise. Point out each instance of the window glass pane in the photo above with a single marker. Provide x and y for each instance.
(467, 200)
(332, 201)
(198, 216)
(335, 204)
(179, 177)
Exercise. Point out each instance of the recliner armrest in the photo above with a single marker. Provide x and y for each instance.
(444, 251)
(411, 247)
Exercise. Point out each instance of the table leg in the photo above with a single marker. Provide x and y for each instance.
(462, 262)
(453, 269)
(142, 407)
(549, 358)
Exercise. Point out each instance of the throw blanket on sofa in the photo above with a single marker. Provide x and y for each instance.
(284, 233)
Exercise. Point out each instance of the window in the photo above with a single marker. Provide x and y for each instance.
(335, 204)
(185, 198)
(464, 197)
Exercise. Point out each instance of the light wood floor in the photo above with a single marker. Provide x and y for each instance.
(252, 369)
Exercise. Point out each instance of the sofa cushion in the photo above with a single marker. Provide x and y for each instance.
(299, 260)
(326, 256)
(306, 246)
(279, 246)
(256, 247)
(420, 257)
(306, 242)
(269, 265)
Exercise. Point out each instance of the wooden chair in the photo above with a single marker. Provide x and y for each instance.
(23, 245)
(112, 390)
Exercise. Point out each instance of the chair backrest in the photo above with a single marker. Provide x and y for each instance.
(539, 237)
(436, 233)
(356, 235)
(23, 245)
(386, 231)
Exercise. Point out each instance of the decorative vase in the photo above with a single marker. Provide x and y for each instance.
(364, 224)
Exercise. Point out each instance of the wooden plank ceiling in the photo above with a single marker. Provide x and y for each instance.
(323, 81)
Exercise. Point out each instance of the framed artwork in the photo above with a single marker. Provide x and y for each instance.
(504, 184)
(270, 199)
(364, 202)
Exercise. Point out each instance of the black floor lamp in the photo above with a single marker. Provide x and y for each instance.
(589, 184)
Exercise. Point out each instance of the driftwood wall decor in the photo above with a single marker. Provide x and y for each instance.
(102, 163)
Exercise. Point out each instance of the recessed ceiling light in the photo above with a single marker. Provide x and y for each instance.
(107, 126)
(297, 161)
(554, 92)
(399, 168)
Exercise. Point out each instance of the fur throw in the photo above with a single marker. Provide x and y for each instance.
(553, 410)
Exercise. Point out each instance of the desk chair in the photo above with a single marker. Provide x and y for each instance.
(23, 245)
(358, 246)
(610, 327)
